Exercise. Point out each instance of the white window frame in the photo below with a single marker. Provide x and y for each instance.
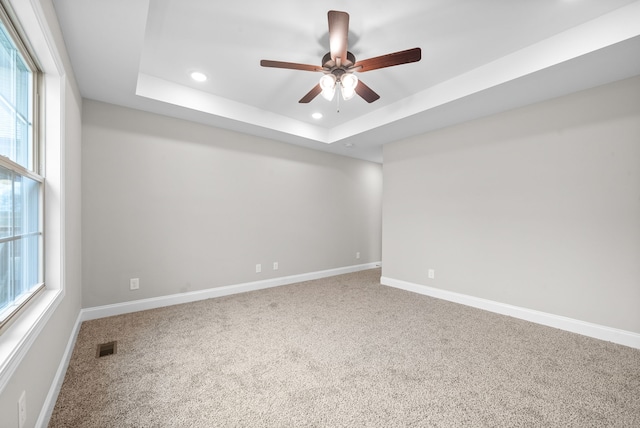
(10, 313)
(16, 341)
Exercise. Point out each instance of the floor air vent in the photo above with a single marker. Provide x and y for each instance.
(105, 349)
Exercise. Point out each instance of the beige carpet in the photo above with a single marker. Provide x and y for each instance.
(343, 352)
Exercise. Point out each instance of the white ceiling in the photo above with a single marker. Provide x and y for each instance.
(478, 57)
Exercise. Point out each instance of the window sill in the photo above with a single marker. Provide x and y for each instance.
(16, 340)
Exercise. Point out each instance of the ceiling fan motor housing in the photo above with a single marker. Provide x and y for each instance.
(330, 64)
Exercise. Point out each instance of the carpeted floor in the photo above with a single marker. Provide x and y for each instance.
(343, 352)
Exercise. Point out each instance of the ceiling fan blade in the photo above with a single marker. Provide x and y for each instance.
(338, 35)
(388, 60)
(366, 92)
(311, 94)
(289, 65)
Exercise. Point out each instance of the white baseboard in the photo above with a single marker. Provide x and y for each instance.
(54, 390)
(175, 299)
(597, 331)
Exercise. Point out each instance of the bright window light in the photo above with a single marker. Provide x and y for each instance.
(21, 185)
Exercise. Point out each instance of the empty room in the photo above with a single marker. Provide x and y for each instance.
(330, 214)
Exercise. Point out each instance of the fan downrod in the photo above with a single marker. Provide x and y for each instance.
(331, 65)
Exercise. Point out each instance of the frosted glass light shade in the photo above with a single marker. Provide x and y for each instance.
(348, 84)
(328, 85)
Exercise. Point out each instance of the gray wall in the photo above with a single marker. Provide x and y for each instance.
(35, 372)
(186, 207)
(537, 207)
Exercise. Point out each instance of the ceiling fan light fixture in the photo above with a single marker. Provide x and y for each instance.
(328, 85)
(348, 84)
(338, 65)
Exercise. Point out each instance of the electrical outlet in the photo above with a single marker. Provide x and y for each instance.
(432, 273)
(134, 283)
(358, 255)
(258, 268)
(275, 265)
(22, 409)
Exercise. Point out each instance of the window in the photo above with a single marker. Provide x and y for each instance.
(21, 185)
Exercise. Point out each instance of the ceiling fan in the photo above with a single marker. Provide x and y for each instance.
(339, 65)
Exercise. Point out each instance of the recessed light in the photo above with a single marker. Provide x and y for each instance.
(317, 115)
(198, 77)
